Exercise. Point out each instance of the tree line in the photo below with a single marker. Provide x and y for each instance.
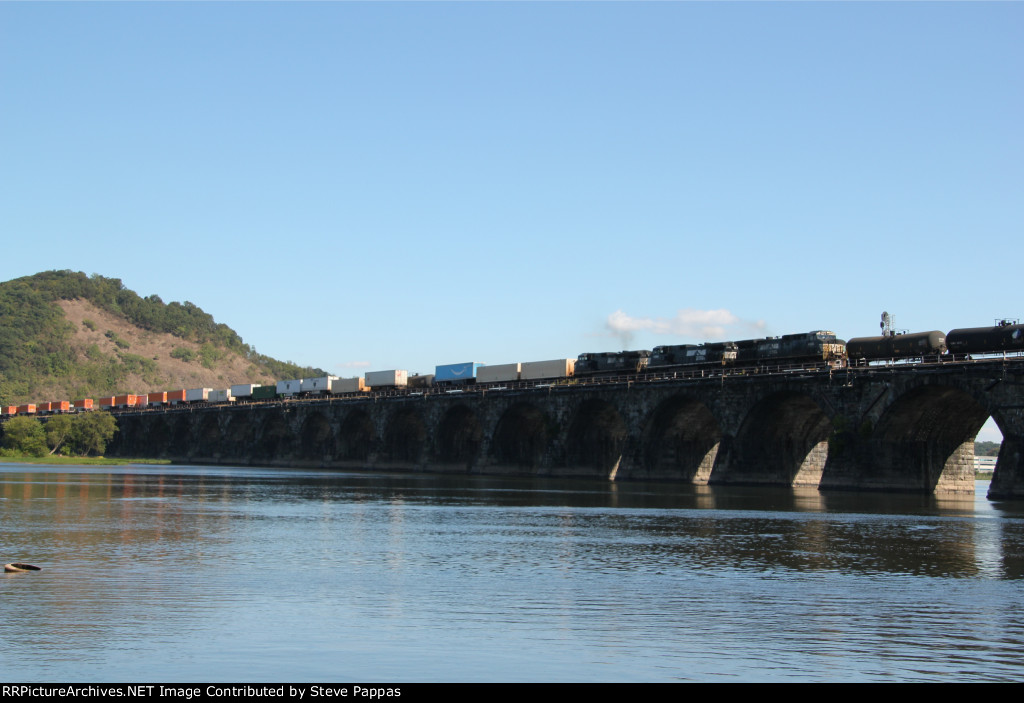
(77, 435)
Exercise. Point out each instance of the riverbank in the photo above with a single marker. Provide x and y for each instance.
(78, 460)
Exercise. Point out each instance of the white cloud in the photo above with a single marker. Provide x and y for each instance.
(699, 325)
(353, 365)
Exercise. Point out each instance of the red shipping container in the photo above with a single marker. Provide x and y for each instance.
(83, 404)
(124, 401)
(176, 396)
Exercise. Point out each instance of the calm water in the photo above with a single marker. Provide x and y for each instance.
(211, 574)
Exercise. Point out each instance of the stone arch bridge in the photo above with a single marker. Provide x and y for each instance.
(897, 428)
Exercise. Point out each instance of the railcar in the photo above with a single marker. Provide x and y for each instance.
(591, 363)
(913, 345)
(1005, 336)
(711, 353)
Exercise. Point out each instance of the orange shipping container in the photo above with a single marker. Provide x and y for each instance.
(107, 402)
(27, 409)
(176, 396)
(60, 406)
(8, 410)
(44, 407)
(157, 398)
(83, 404)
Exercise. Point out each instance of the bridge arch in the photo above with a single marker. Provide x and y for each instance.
(597, 437)
(680, 441)
(317, 437)
(459, 437)
(522, 437)
(783, 440)
(208, 434)
(405, 436)
(180, 431)
(275, 436)
(356, 436)
(924, 440)
(238, 434)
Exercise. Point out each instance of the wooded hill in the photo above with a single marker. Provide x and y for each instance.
(65, 335)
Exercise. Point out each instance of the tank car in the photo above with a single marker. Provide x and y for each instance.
(979, 340)
(900, 346)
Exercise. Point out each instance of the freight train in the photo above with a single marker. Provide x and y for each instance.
(817, 347)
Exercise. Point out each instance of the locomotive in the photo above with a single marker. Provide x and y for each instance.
(804, 347)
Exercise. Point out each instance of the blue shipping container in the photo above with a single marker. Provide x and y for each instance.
(456, 373)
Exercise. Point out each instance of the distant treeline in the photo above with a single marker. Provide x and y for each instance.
(986, 448)
(80, 435)
(35, 337)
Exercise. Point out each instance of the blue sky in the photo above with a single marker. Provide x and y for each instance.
(363, 186)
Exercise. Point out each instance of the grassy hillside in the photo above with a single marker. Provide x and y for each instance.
(65, 335)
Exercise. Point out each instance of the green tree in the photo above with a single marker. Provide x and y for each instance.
(58, 430)
(91, 432)
(25, 435)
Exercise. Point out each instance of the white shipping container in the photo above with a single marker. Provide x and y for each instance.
(320, 384)
(348, 385)
(194, 394)
(243, 390)
(221, 396)
(498, 373)
(397, 377)
(553, 368)
(289, 387)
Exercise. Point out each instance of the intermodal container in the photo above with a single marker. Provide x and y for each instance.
(141, 401)
(8, 410)
(349, 385)
(457, 373)
(395, 377)
(243, 390)
(221, 396)
(194, 395)
(424, 380)
(107, 402)
(43, 408)
(125, 401)
(498, 373)
(264, 392)
(289, 387)
(553, 368)
(27, 409)
(320, 384)
(157, 398)
(60, 406)
(83, 404)
(176, 396)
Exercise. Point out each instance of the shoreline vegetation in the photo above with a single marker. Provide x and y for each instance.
(78, 460)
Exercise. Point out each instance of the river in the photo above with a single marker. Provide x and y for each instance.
(185, 574)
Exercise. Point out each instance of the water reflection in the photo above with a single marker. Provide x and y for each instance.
(191, 573)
